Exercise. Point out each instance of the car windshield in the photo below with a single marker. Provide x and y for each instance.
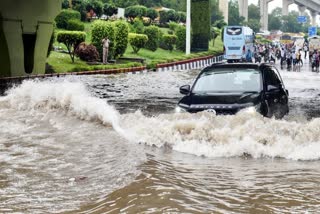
(228, 81)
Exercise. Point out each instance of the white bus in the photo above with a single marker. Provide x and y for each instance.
(237, 40)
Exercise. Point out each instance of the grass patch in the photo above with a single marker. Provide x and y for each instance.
(61, 63)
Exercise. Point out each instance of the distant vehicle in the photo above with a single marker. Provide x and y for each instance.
(286, 39)
(314, 43)
(227, 88)
(237, 40)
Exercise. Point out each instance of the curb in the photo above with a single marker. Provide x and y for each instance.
(195, 63)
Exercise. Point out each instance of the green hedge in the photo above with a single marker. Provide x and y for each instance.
(153, 34)
(181, 38)
(76, 25)
(66, 15)
(137, 41)
(71, 39)
(200, 16)
(99, 30)
(121, 37)
(169, 41)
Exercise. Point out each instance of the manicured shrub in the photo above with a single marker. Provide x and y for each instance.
(66, 15)
(181, 38)
(121, 37)
(71, 39)
(169, 41)
(100, 30)
(167, 16)
(153, 37)
(87, 53)
(152, 14)
(138, 26)
(173, 26)
(137, 41)
(76, 25)
(132, 12)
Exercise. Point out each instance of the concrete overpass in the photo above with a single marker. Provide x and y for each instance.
(312, 5)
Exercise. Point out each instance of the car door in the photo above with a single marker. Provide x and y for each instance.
(276, 96)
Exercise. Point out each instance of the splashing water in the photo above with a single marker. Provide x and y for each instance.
(202, 134)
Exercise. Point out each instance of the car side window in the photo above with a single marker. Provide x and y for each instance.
(271, 78)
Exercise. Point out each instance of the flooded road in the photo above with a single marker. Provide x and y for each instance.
(113, 144)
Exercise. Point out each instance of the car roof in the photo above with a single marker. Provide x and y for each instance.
(259, 67)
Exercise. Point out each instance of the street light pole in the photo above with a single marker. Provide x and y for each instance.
(188, 27)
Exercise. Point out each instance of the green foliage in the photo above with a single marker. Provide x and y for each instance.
(216, 14)
(75, 25)
(234, 16)
(254, 24)
(71, 39)
(167, 16)
(65, 4)
(138, 26)
(135, 11)
(173, 26)
(100, 30)
(137, 41)
(182, 16)
(152, 14)
(81, 6)
(169, 41)
(181, 38)
(275, 19)
(96, 6)
(121, 37)
(153, 34)
(110, 9)
(220, 24)
(66, 15)
(254, 12)
(200, 16)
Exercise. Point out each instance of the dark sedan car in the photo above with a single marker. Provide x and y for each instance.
(228, 88)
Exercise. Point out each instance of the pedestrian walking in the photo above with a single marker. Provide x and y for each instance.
(105, 46)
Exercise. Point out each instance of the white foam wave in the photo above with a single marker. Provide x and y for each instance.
(72, 97)
(204, 134)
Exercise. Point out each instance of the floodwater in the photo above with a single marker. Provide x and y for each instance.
(114, 144)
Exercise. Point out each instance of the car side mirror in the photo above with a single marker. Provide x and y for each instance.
(185, 89)
(271, 88)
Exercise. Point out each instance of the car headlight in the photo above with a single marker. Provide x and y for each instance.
(178, 109)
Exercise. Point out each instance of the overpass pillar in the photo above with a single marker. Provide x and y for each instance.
(314, 18)
(243, 8)
(224, 8)
(264, 15)
(285, 6)
(25, 31)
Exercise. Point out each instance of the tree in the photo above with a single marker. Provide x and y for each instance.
(234, 16)
(290, 23)
(109, 9)
(254, 12)
(216, 14)
(275, 19)
(135, 11)
(96, 6)
(254, 24)
(152, 14)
